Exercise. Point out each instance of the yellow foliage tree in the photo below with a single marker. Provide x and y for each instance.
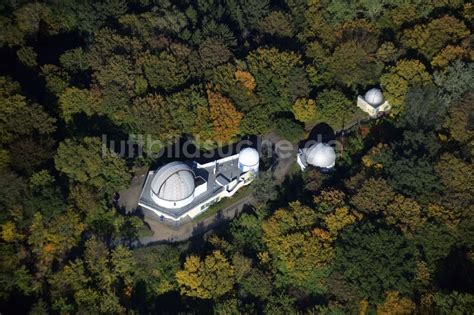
(394, 304)
(300, 255)
(449, 54)
(208, 279)
(225, 117)
(304, 109)
(246, 78)
(400, 78)
(405, 213)
(336, 221)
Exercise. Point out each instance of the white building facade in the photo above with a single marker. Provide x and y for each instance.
(182, 190)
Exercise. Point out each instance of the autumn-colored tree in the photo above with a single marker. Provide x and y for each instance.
(449, 54)
(206, 279)
(300, 254)
(395, 304)
(373, 196)
(225, 117)
(400, 78)
(404, 212)
(50, 240)
(432, 37)
(304, 110)
(246, 78)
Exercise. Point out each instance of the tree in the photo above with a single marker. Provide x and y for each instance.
(272, 70)
(19, 117)
(375, 260)
(449, 54)
(334, 108)
(352, 66)
(51, 239)
(208, 279)
(404, 213)
(300, 254)
(373, 196)
(304, 110)
(432, 37)
(395, 304)
(277, 23)
(213, 52)
(165, 71)
(85, 162)
(454, 81)
(459, 119)
(27, 56)
(151, 115)
(73, 101)
(400, 78)
(225, 117)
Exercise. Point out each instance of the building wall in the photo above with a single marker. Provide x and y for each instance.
(246, 179)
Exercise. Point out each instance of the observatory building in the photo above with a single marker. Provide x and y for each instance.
(319, 155)
(373, 102)
(179, 190)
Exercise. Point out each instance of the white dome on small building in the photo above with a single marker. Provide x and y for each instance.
(374, 97)
(173, 185)
(321, 155)
(248, 159)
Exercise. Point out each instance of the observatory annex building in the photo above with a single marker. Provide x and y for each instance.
(183, 190)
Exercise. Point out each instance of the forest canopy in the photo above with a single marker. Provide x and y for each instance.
(389, 231)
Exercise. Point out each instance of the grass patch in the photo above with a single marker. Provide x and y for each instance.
(224, 203)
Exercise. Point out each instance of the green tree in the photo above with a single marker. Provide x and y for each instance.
(27, 56)
(352, 66)
(85, 162)
(454, 81)
(334, 108)
(277, 23)
(375, 260)
(400, 78)
(165, 70)
(272, 70)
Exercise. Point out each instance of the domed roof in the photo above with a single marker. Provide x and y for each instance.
(321, 155)
(249, 157)
(173, 182)
(374, 97)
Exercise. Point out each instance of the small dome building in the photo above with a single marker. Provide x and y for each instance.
(321, 155)
(373, 102)
(173, 186)
(374, 97)
(249, 160)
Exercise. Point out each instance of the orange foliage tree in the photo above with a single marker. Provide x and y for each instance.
(225, 117)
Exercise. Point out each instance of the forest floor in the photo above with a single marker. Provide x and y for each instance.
(163, 233)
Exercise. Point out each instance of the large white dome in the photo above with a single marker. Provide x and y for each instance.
(173, 182)
(321, 155)
(374, 97)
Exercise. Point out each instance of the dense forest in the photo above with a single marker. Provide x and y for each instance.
(390, 231)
